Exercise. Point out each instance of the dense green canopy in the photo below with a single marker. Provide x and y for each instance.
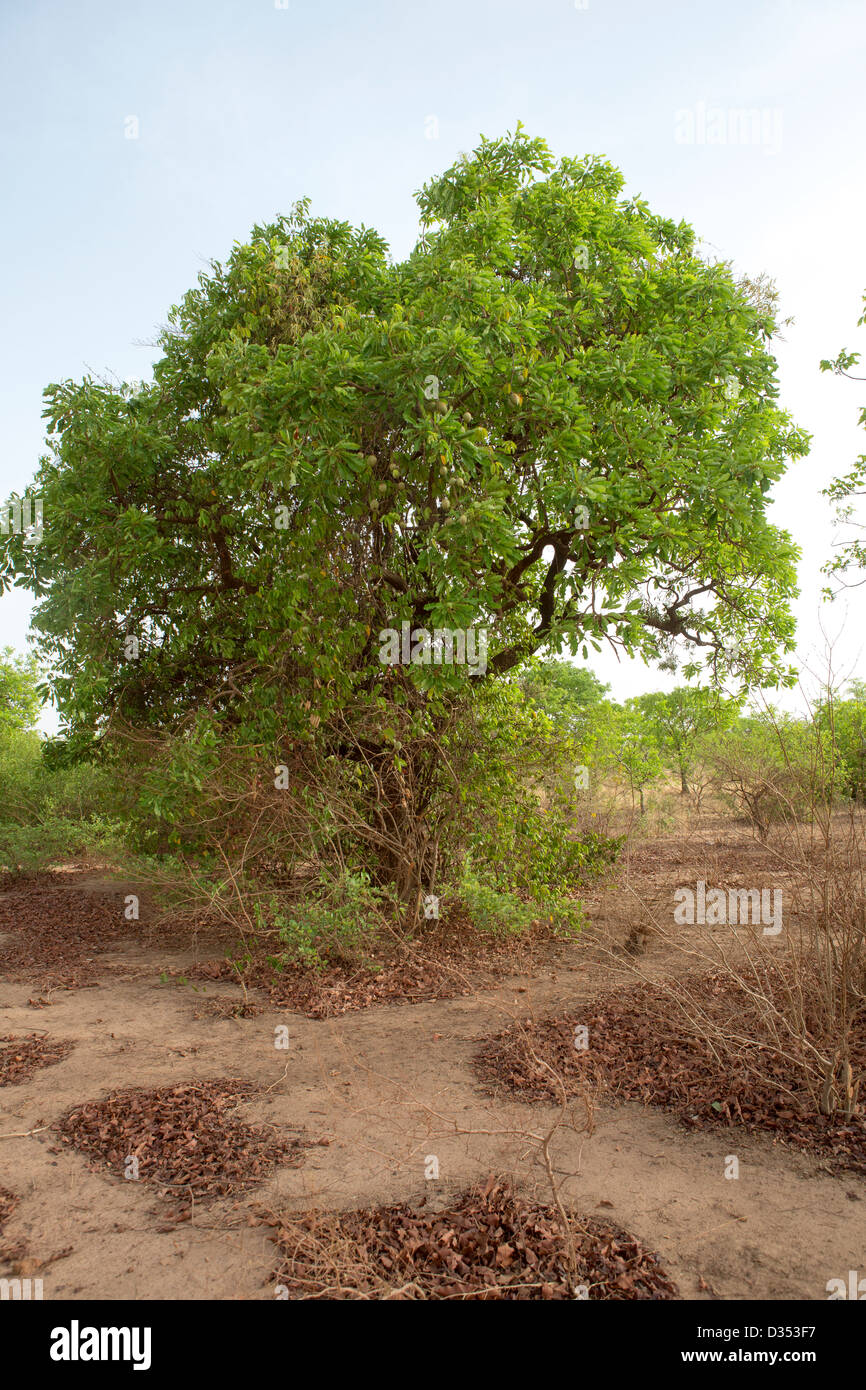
(554, 421)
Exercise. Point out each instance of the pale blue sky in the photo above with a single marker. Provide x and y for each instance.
(242, 107)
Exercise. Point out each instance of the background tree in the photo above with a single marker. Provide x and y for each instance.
(680, 719)
(20, 699)
(848, 486)
(844, 719)
(567, 693)
(776, 768)
(637, 752)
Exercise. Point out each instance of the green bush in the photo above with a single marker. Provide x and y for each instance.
(338, 921)
(31, 848)
(843, 721)
(500, 912)
(491, 910)
(519, 803)
(48, 813)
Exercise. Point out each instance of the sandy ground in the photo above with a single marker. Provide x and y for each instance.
(387, 1089)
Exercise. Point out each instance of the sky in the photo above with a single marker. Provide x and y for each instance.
(138, 141)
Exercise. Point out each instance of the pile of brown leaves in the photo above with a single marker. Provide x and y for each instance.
(490, 1244)
(339, 989)
(451, 961)
(8, 1203)
(22, 1055)
(187, 1138)
(637, 1050)
(56, 931)
(9, 1253)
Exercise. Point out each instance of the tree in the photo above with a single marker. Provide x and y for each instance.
(679, 720)
(528, 430)
(844, 720)
(565, 692)
(637, 752)
(852, 485)
(20, 700)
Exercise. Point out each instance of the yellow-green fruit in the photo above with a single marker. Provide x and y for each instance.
(445, 504)
(442, 407)
(383, 487)
(515, 399)
(371, 460)
(467, 418)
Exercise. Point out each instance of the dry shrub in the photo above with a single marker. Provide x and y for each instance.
(801, 994)
(805, 993)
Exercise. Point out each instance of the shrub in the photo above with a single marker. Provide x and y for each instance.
(52, 813)
(338, 921)
(490, 909)
(776, 768)
(242, 840)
